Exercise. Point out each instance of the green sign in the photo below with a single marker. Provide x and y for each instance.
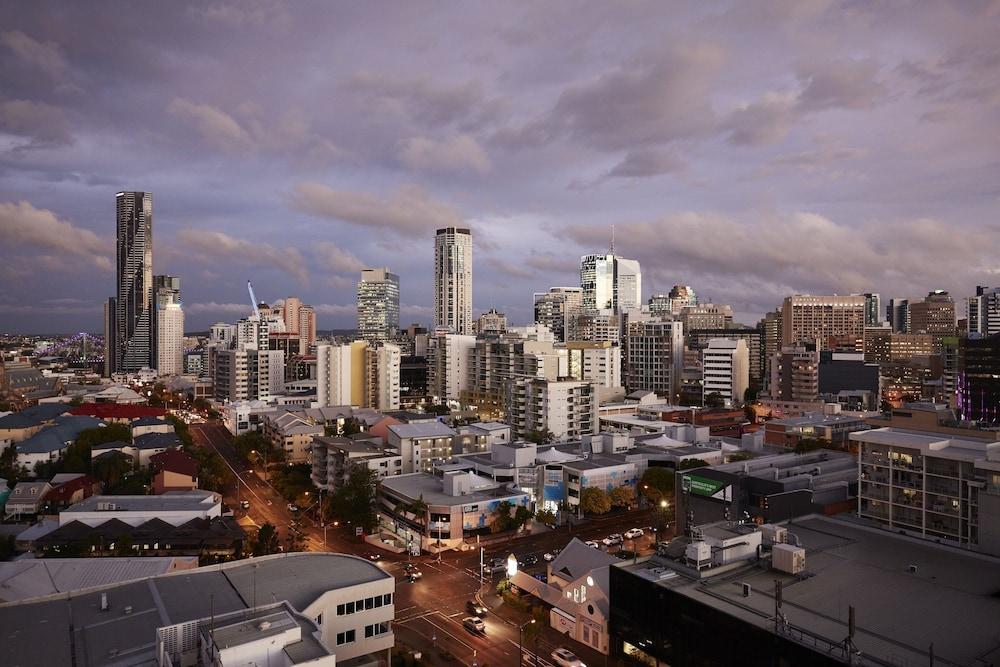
(703, 486)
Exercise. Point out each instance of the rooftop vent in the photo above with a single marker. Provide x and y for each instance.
(264, 626)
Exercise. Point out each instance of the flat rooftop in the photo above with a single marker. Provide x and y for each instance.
(941, 445)
(952, 598)
(172, 501)
(431, 487)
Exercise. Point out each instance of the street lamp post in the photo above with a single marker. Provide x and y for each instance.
(520, 633)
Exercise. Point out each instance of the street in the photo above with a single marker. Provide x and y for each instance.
(429, 612)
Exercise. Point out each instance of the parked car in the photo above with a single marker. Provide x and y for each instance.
(528, 561)
(612, 540)
(474, 624)
(497, 565)
(292, 507)
(550, 556)
(566, 658)
(592, 543)
(475, 608)
(371, 555)
(245, 504)
(633, 533)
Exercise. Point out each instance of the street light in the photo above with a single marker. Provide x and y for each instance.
(511, 566)
(520, 650)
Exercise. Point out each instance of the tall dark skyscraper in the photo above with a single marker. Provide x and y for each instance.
(133, 305)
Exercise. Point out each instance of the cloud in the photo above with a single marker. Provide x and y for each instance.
(216, 126)
(427, 102)
(511, 269)
(644, 163)
(212, 307)
(22, 223)
(409, 211)
(764, 121)
(44, 56)
(458, 154)
(336, 309)
(841, 84)
(216, 246)
(43, 124)
(336, 259)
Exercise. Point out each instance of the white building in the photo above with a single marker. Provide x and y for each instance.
(249, 374)
(422, 444)
(384, 377)
(610, 282)
(448, 361)
(174, 507)
(378, 304)
(984, 311)
(169, 333)
(566, 408)
(453, 279)
(600, 363)
(726, 370)
(333, 375)
(628, 284)
(558, 309)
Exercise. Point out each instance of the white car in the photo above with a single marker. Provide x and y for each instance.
(550, 556)
(633, 533)
(566, 658)
(474, 624)
(612, 540)
(592, 543)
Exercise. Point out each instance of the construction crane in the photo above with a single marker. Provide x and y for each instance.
(253, 301)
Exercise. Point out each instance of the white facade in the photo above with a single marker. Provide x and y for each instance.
(387, 379)
(448, 365)
(628, 284)
(566, 408)
(333, 373)
(174, 507)
(453, 280)
(597, 281)
(984, 312)
(600, 363)
(726, 370)
(169, 334)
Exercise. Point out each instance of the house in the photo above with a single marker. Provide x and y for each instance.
(116, 413)
(291, 434)
(576, 593)
(115, 394)
(18, 426)
(140, 449)
(173, 470)
(145, 425)
(70, 488)
(52, 442)
(26, 498)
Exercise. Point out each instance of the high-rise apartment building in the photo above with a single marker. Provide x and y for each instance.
(610, 282)
(834, 321)
(134, 318)
(873, 309)
(378, 304)
(382, 371)
(725, 369)
(600, 363)
(290, 314)
(307, 328)
(491, 322)
(453, 279)
(699, 340)
(984, 311)
(448, 360)
(934, 315)
(566, 408)
(169, 330)
(771, 332)
(558, 309)
(794, 374)
(655, 362)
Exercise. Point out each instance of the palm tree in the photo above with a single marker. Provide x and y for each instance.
(418, 508)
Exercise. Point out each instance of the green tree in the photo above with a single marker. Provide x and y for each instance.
(439, 410)
(714, 400)
(740, 456)
(522, 515)
(750, 395)
(182, 430)
(621, 497)
(502, 519)
(351, 426)
(112, 469)
(540, 437)
(418, 508)
(355, 500)
(293, 481)
(545, 516)
(265, 542)
(594, 501)
(810, 444)
(690, 464)
(657, 484)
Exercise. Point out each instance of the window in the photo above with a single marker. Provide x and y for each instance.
(319, 620)
(376, 629)
(345, 637)
(369, 603)
(387, 598)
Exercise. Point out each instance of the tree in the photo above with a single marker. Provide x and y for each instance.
(621, 497)
(354, 502)
(502, 519)
(351, 426)
(183, 432)
(594, 501)
(545, 516)
(810, 444)
(714, 400)
(521, 516)
(657, 484)
(265, 542)
(439, 410)
(540, 437)
(110, 470)
(418, 508)
(689, 464)
(740, 456)
(750, 395)
(293, 481)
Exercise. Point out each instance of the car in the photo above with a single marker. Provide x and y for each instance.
(371, 555)
(592, 543)
(245, 504)
(612, 540)
(625, 554)
(474, 624)
(408, 567)
(566, 658)
(475, 608)
(292, 507)
(550, 556)
(414, 574)
(528, 561)
(633, 533)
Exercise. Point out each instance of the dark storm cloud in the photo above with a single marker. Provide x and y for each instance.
(748, 149)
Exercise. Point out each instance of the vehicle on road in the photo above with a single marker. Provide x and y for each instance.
(475, 608)
(292, 507)
(528, 561)
(245, 504)
(566, 658)
(550, 556)
(413, 575)
(474, 624)
(612, 540)
(497, 565)
(633, 533)
(371, 555)
(592, 543)
(409, 566)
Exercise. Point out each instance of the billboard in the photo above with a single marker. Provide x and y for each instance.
(704, 486)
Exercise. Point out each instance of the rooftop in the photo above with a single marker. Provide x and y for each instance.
(117, 411)
(423, 430)
(950, 599)
(431, 487)
(51, 439)
(940, 445)
(490, 426)
(819, 419)
(157, 440)
(172, 501)
(33, 416)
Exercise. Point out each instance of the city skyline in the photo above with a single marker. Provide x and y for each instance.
(806, 148)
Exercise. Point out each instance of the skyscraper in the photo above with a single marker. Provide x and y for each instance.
(610, 282)
(984, 311)
(834, 321)
(378, 304)
(453, 279)
(873, 309)
(133, 311)
(169, 329)
(558, 309)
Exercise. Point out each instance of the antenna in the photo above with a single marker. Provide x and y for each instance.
(253, 300)
(612, 250)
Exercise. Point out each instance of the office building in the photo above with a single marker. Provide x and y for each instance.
(698, 340)
(378, 304)
(705, 316)
(169, 331)
(110, 331)
(599, 326)
(832, 427)
(977, 385)
(655, 357)
(935, 315)
(725, 370)
(453, 280)
(873, 309)
(680, 296)
(898, 314)
(984, 311)
(837, 322)
(133, 308)
(937, 486)
(794, 374)
(492, 322)
(558, 309)
(248, 374)
(610, 282)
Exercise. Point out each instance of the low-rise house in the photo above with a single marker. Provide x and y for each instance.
(69, 488)
(115, 394)
(19, 426)
(145, 425)
(141, 449)
(26, 498)
(117, 413)
(173, 470)
(291, 434)
(52, 442)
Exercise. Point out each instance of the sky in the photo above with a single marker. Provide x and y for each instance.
(750, 150)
